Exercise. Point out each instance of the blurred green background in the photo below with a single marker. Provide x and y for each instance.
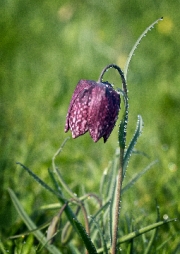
(46, 47)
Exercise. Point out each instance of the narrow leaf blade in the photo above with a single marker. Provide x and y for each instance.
(85, 237)
(129, 150)
(30, 224)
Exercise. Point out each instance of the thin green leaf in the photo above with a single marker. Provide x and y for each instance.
(59, 151)
(54, 181)
(165, 242)
(107, 187)
(141, 231)
(37, 179)
(66, 233)
(51, 206)
(123, 127)
(59, 176)
(136, 178)
(129, 150)
(136, 45)
(85, 237)
(45, 225)
(4, 251)
(73, 249)
(104, 180)
(154, 234)
(65, 186)
(105, 250)
(150, 243)
(131, 247)
(112, 177)
(136, 152)
(30, 224)
(102, 209)
(67, 209)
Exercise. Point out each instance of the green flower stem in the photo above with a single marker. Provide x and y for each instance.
(122, 133)
(116, 67)
(122, 143)
(117, 203)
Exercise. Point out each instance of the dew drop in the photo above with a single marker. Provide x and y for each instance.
(165, 217)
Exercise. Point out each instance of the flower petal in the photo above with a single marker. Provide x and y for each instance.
(81, 86)
(103, 111)
(77, 115)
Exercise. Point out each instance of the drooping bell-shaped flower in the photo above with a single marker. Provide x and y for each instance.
(94, 107)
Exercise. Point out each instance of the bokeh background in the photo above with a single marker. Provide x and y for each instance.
(46, 47)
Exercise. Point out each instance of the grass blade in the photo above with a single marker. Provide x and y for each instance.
(137, 43)
(129, 150)
(143, 230)
(139, 232)
(85, 237)
(67, 209)
(58, 174)
(136, 178)
(108, 187)
(30, 224)
(37, 179)
(105, 250)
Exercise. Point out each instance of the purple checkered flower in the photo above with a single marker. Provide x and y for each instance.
(94, 107)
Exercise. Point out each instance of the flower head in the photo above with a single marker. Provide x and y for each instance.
(94, 107)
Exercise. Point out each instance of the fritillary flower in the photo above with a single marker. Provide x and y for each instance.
(94, 107)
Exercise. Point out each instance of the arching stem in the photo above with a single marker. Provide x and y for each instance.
(114, 66)
(137, 43)
(122, 142)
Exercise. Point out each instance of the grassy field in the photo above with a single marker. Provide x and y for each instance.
(46, 48)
